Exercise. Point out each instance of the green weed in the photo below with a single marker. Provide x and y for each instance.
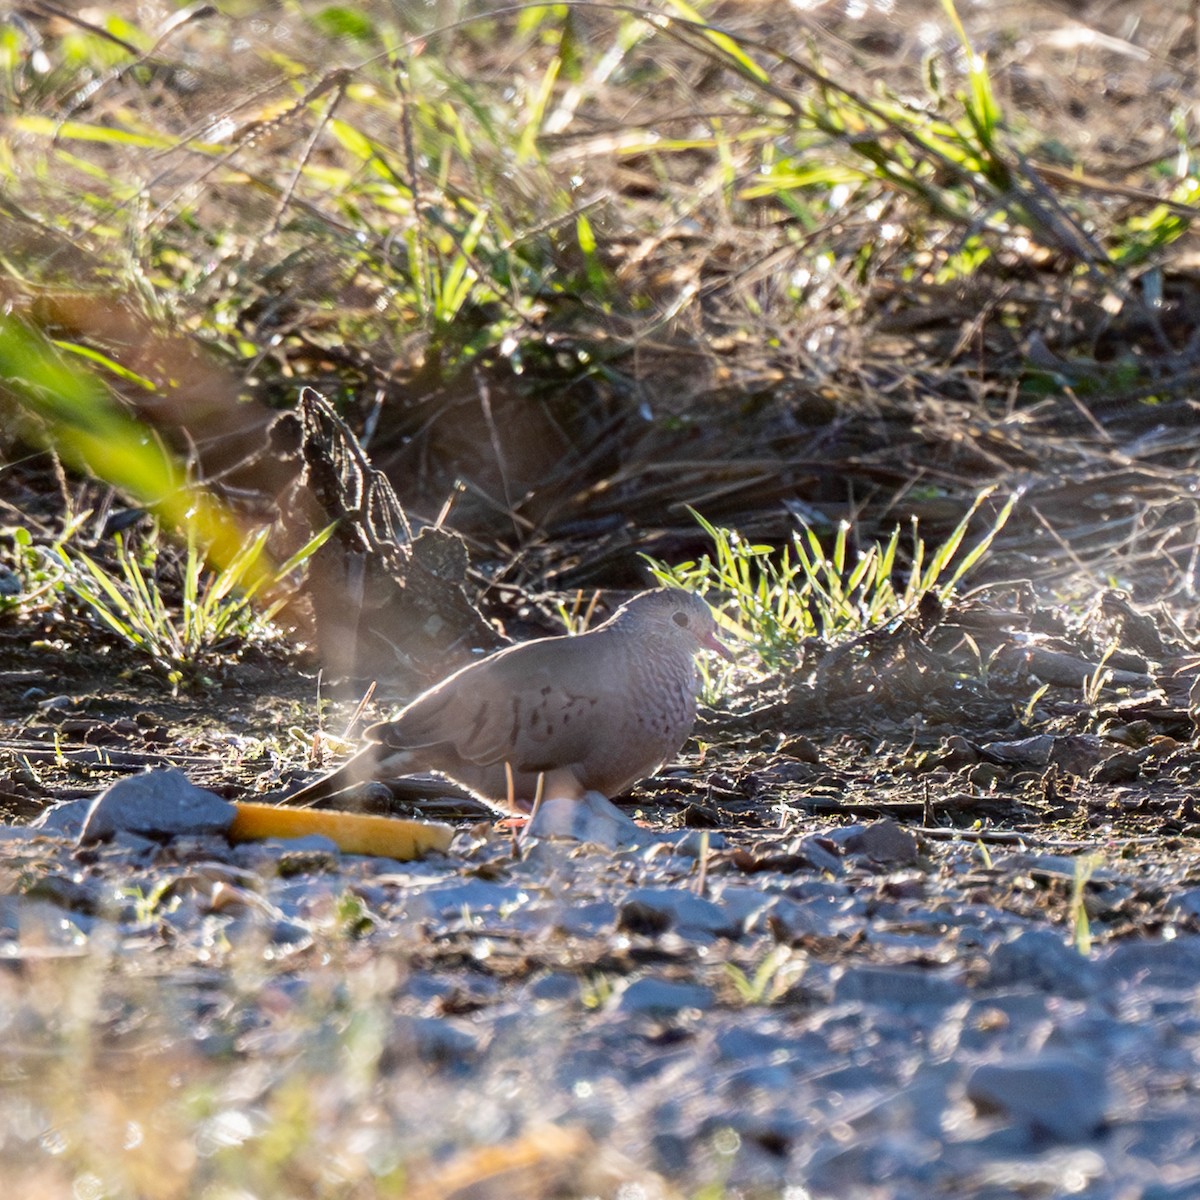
(1081, 930)
(772, 977)
(777, 599)
(212, 610)
(35, 572)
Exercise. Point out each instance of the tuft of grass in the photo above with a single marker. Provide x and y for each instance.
(768, 981)
(1094, 685)
(777, 599)
(214, 608)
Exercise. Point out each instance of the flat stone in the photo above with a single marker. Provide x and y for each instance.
(883, 841)
(159, 803)
(1059, 1096)
(1040, 959)
(308, 843)
(468, 896)
(1173, 964)
(823, 916)
(901, 987)
(691, 843)
(655, 910)
(661, 997)
(19, 833)
(432, 1040)
(819, 856)
(10, 917)
(1185, 903)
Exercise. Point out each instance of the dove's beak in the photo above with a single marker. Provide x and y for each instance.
(711, 642)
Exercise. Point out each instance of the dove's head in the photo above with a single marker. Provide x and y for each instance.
(672, 613)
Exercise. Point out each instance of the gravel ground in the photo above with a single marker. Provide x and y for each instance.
(858, 1011)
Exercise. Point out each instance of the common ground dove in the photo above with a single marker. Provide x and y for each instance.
(590, 713)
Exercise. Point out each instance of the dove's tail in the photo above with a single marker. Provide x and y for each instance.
(372, 762)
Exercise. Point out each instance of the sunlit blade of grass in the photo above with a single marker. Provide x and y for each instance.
(527, 145)
(79, 131)
(147, 604)
(982, 109)
(103, 360)
(106, 600)
(213, 605)
(983, 545)
(1081, 931)
(456, 285)
(727, 45)
(585, 236)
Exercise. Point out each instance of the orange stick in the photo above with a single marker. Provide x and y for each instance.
(354, 833)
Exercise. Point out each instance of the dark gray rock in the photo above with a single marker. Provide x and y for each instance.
(1173, 964)
(73, 893)
(825, 916)
(1092, 1032)
(133, 846)
(555, 986)
(655, 910)
(431, 1040)
(160, 803)
(293, 934)
(587, 920)
(1002, 1018)
(741, 905)
(743, 1044)
(883, 841)
(758, 1077)
(899, 987)
(1057, 1096)
(1040, 959)
(661, 997)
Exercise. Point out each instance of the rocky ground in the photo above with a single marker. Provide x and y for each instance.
(859, 1009)
(914, 952)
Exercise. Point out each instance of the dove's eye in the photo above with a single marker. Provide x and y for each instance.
(680, 619)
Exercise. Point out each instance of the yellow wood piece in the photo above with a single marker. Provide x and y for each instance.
(354, 833)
